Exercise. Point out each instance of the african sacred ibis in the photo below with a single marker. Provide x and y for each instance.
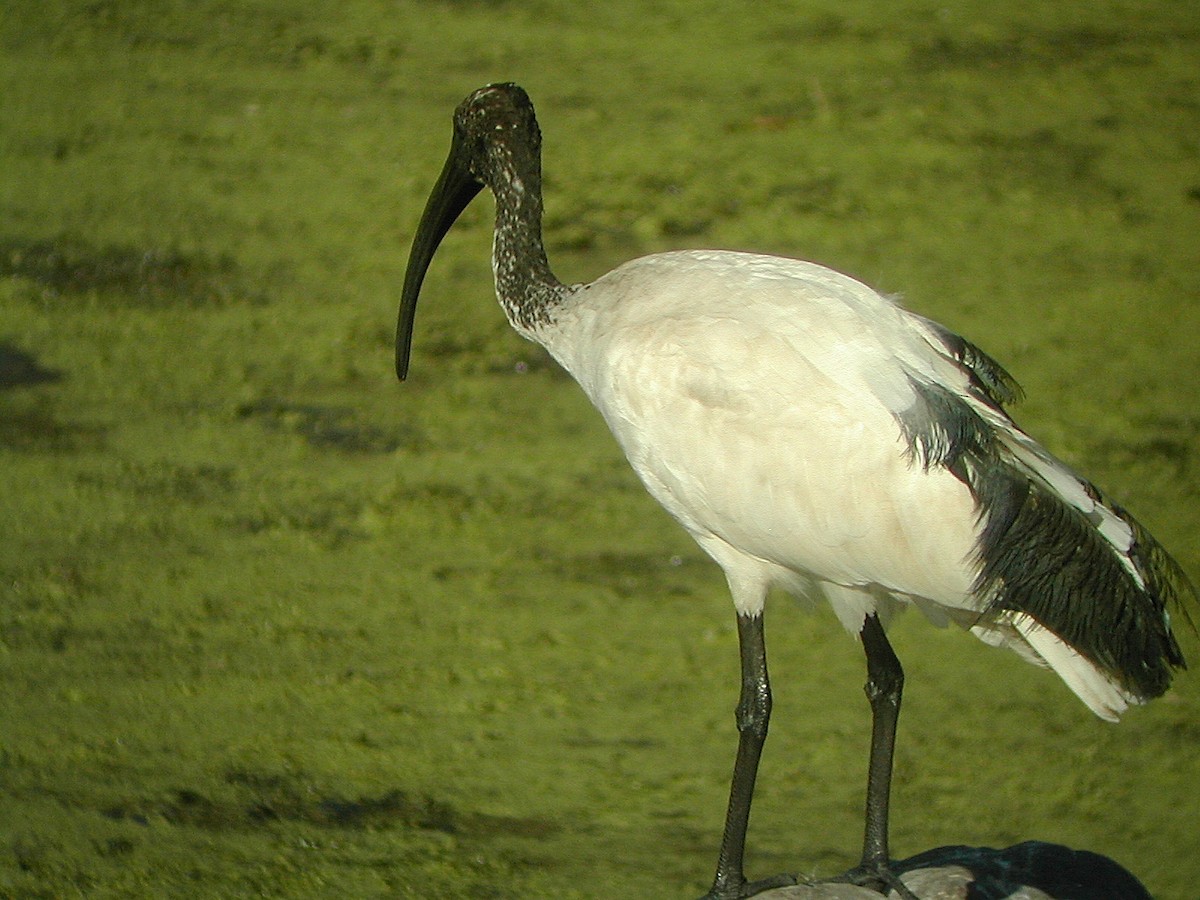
(812, 435)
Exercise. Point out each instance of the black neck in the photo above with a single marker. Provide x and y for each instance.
(525, 286)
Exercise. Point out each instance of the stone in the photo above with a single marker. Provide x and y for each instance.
(1033, 870)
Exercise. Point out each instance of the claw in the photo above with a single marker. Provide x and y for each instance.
(880, 879)
(751, 888)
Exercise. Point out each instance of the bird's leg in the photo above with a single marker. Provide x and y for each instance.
(753, 715)
(885, 684)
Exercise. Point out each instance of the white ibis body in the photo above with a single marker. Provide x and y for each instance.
(812, 435)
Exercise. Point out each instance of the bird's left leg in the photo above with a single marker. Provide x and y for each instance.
(753, 716)
(885, 684)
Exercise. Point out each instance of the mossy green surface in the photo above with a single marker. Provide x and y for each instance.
(273, 625)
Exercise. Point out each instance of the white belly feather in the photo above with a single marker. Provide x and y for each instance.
(771, 428)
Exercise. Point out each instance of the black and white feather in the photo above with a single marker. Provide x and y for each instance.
(1066, 576)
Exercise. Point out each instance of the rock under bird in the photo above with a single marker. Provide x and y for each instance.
(812, 435)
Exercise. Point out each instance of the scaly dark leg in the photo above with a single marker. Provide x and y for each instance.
(753, 715)
(885, 684)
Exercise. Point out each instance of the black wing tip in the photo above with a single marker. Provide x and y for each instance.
(1169, 581)
(1042, 557)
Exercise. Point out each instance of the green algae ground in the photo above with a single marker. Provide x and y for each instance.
(274, 625)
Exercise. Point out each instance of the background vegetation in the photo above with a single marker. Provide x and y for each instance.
(275, 625)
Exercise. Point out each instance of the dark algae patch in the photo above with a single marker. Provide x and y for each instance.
(251, 799)
(329, 427)
(21, 369)
(272, 625)
(66, 269)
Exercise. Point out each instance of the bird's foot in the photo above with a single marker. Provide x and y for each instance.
(878, 878)
(750, 888)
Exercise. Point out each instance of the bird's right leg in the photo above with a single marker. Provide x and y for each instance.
(753, 715)
(885, 685)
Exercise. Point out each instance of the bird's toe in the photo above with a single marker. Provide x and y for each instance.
(751, 888)
(878, 878)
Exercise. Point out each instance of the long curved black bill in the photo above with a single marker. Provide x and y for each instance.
(455, 188)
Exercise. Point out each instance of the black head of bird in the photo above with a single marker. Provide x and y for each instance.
(496, 143)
